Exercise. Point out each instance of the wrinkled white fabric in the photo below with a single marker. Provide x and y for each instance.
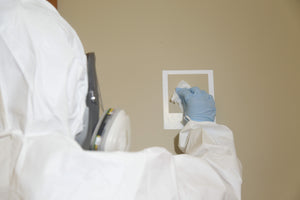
(55, 167)
(43, 79)
(42, 100)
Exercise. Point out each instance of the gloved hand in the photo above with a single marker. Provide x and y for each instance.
(197, 104)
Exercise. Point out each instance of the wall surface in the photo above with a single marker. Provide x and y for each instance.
(253, 46)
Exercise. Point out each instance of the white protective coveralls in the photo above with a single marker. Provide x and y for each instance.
(43, 85)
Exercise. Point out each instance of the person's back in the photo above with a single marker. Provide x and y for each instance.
(43, 80)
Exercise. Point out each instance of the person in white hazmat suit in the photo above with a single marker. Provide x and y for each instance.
(43, 85)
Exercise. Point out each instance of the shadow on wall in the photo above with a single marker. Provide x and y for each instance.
(296, 3)
(295, 6)
(176, 148)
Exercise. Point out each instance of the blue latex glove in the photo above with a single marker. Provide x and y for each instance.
(197, 104)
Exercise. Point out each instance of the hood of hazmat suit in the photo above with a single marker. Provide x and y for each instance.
(43, 79)
(43, 85)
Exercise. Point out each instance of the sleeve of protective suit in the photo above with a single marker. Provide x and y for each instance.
(212, 166)
(54, 167)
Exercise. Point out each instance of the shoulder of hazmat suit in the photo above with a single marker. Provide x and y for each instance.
(42, 100)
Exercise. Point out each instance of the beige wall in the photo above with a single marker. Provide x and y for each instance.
(253, 47)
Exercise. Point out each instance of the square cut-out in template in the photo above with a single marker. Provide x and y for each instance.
(200, 78)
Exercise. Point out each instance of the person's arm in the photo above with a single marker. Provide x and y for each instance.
(211, 165)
